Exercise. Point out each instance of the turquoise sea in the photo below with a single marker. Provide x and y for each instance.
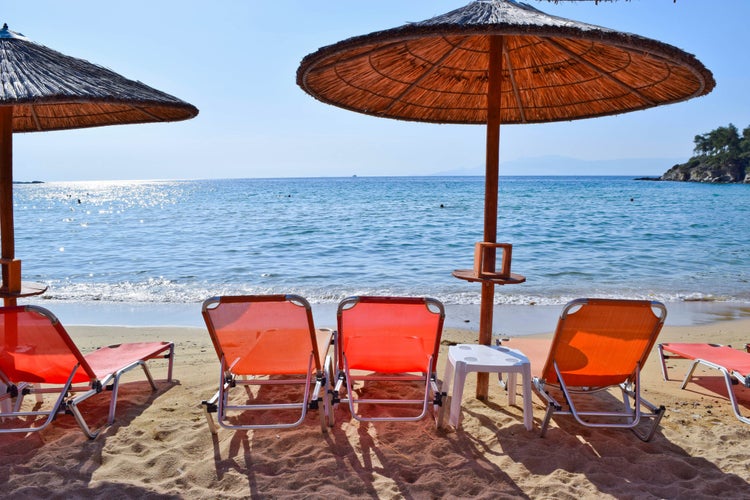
(151, 251)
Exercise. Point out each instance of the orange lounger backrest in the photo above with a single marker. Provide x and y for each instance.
(389, 334)
(262, 335)
(599, 342)
(35, 348)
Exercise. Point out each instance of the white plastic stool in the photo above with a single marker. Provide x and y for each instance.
(465, 358)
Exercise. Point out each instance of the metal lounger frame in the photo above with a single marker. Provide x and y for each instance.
(729, 375)
(432, 394)
(629, 417)
(219, 403)
(228, 380)
(67, 402)
(430, 388)
(631, 414)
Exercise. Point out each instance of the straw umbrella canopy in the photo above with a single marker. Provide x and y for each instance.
(500, 61)
(42, 89)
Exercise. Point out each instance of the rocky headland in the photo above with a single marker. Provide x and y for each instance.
(698, 170)
(721, 156)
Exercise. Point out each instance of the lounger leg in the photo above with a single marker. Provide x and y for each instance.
(5, 403)
(658, 413)
(528, 411)
(148, 375)
(663, 363)
(689, 374)
(73, 408)
(328, 396)
(217, 401)
(19, 399)
(733, 397)
(655, 415)
(321, 387)
(116, 386)
(322, 410)
(349, 394)
(208, 407)
(113, 401)
(171, 362)
(547, 417)
(38, 394)
(552, 405)
(626, 395)
(438, 401)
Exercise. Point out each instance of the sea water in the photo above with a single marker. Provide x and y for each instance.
(142, 244)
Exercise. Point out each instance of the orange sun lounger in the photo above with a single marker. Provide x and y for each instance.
(732, 363)
(393, 339)
(37, 356)
(599, 344)
(268, 342)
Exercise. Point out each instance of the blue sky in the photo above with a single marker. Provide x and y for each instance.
(237, 60)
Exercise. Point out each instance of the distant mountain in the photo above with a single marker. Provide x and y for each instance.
(565, 165)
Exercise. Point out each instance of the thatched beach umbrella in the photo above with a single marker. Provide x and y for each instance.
(499, 61)
(41, 90)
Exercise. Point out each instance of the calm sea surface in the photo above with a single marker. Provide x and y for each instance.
(326, 238)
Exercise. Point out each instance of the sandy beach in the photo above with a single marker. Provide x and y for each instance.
(160, 445)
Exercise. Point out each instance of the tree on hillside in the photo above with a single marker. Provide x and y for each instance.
(723, 145)
(722, 155)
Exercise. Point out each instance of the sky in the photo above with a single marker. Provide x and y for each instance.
(236, 61)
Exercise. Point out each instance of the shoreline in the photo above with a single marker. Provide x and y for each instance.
(508, 319)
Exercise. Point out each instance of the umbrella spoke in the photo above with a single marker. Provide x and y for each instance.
(605, 74)
(514, 86)
(430, 70)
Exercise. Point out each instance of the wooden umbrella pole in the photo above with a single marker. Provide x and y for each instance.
(6, 182)
(11, 282)
(490, 199)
